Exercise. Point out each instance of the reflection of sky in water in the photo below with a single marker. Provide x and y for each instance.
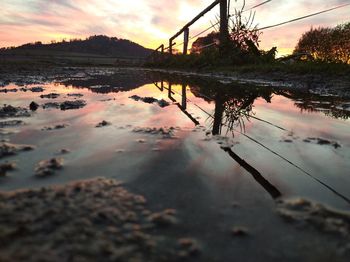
(116, 151)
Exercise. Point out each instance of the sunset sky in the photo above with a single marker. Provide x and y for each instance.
(151, 22)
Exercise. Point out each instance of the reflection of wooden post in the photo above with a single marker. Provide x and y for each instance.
(169, 91)
(161, 86)
(186, 36)
(184, 99)
(170, 46)
(219, 110)
(223, 26)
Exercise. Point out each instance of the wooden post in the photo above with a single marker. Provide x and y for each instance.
(223, 26)
(170, 46)
(162, 49)
(186, 36)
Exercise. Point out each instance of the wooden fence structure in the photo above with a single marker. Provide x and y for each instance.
(185, 30)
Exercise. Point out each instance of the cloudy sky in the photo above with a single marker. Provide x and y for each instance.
(151, 22)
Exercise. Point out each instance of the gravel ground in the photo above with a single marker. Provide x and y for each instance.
(93, 220)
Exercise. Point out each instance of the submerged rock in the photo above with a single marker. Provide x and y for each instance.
(11, 123)
(36, 89)
(5, 167)
(239, 231)
(164, 218)
(67, 105)
(189, 246)
(165, 132)
(33, 106)
(103, 123)
(48, 167)
(5, 90)
(322, 141)
(8, 149)
(75, 95)
(150, 100)
(50, 128)
(51, 105)
(50, 96)
(11, 111)
(64, 151)
(305, 212)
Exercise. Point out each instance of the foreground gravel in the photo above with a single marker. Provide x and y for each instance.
(93, 220)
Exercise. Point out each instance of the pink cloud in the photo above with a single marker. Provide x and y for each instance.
(149, 22)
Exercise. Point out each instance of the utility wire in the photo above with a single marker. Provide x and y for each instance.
(303, 17)
(255, 6)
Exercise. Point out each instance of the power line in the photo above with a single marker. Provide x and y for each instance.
(303, 17)
(255, 6)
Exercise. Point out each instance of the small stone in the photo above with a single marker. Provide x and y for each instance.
(50, 96)
(7, 166)
(67, 105)
(48, 167)
(239, 231)
(11, 123)
(103, 123)
(33, 106)
(164, 218)
(64, 151)
(189, 245)
(37, 89)
(75, 95)
(56, 127)
(8, 149)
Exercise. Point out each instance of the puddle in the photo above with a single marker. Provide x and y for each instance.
(196, 145)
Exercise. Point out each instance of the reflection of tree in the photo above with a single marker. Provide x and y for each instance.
(114, 83)
(237, 112)
(233, 103)
(331, 106)
(234, 109)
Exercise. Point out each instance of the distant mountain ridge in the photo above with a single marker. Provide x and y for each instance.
(97, 44)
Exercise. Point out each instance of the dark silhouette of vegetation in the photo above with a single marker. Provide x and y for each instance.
(241, 48)
(98, 44)
(327, 44)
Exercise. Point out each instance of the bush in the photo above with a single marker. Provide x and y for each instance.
(326, 44)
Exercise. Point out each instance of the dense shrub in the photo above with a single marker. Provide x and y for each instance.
(326, 44)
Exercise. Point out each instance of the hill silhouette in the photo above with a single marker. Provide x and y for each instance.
(97, 44)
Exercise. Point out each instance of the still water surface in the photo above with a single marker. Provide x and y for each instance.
(231, 136)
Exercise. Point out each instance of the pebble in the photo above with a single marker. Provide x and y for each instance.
(103, 123)
(239, 231)
(50, 96)
(48, 167)
(8, 149)
(5, 167)
(11, 111)
(33, 106)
